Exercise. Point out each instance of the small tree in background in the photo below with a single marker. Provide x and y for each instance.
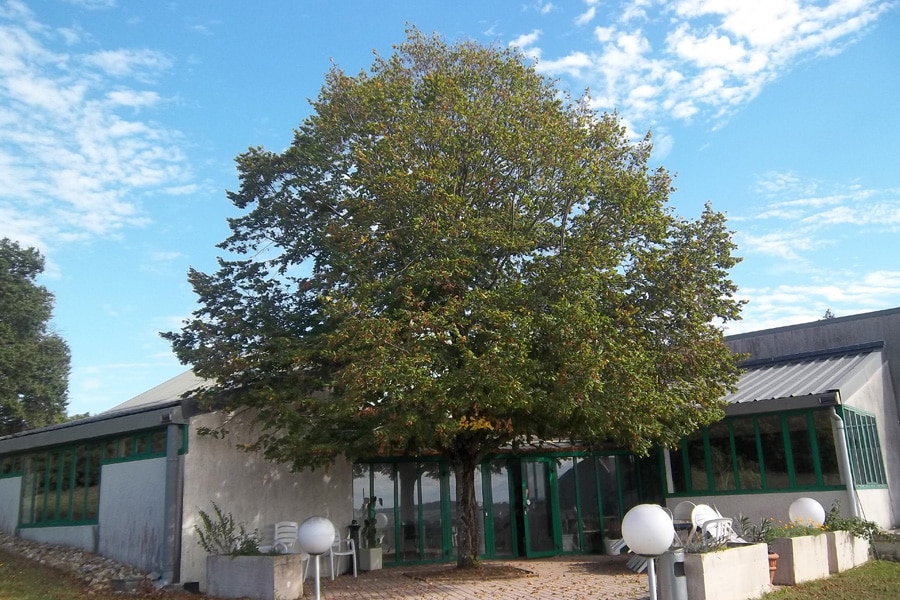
(34, 363)
(464, 259)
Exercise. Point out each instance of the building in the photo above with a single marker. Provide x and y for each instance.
(815, 415)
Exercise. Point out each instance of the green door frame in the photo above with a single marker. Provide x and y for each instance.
(552, 495)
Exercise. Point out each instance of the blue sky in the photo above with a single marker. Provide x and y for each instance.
(120, 120)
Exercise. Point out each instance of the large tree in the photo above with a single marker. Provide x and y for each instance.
(452, 257)
(34, 362)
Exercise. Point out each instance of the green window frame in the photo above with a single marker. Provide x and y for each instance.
(61, 485)
(766, 452)
(864, 446)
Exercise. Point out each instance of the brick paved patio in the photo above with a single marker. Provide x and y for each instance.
(591, 577)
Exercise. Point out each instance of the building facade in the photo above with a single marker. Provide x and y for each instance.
(815, 415)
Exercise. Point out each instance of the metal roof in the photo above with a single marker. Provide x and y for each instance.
(806, 375)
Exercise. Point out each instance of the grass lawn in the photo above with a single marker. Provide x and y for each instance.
(875, 580)
(22, 579)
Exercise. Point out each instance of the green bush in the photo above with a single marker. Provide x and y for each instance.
(855, 525)
(220, 534)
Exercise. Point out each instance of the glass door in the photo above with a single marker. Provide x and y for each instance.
(540, 508)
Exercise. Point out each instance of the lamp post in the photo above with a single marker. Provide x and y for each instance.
(316, 535)
(648, 531)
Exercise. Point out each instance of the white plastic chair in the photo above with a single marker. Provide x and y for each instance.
(708, 523)
(342, 547)
(285, 540)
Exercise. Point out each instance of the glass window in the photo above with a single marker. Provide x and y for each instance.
(721, 457)
(383, 487)
(774, 454)
(676, 460)
(567, 477)
(589, 503)
(865, 448)
(430, 523)
(746, 454)
(696, 450)
(801, 450)
(827, 452)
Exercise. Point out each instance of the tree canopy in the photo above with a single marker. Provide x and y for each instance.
(452, 257)
(34, 362)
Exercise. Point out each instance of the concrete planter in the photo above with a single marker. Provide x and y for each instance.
(800, 559)
(846, 551)
(735, 573)
(370, 559)
(267, 577)
(887, 548)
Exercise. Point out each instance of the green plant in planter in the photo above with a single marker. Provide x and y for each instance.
(855, 525)
(220, 534)
(789, 530)
(755, 533)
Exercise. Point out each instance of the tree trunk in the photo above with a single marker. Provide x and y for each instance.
(467, 512)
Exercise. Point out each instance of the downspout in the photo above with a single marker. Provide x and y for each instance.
(171, 550)
(837, 427)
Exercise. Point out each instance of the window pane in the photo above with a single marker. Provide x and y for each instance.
(432, 527)
(568, 504)
(409, 511)
(502, 522)
(774, 456)
(383, 476)
(589, 504)
(609, 493)
(746, 454)
(697, 460)
(628, 479)
(720, 450)
(676, 460)
(79, 488)
(93, 484)
(158, 441)
(801, 450)
(828, 459)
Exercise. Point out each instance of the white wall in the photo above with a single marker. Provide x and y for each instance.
(877, 397)
(255, 491)
(10, 499)
(132, 496)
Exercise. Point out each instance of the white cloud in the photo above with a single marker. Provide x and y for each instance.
(586, 17)
(72, 153)
(842, 292)
(705, 58)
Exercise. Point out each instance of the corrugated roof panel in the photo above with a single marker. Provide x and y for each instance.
(796, 378)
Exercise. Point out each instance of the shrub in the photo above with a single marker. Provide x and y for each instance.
(220, 534)
(855, 525)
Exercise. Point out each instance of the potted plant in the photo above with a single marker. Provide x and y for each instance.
(802, 552)
(759, 533)
(715, 568)
(370, 552)
(235, 567)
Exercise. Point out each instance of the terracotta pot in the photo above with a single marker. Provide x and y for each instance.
(773, 564)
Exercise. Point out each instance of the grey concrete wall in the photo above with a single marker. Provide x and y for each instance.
(763, 506)
(76, 536)
(255, 491)
(132, 498)
(10, 500)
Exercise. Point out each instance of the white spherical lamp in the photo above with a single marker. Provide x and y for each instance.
(648, 530)
(806, 511)
(316, 535)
